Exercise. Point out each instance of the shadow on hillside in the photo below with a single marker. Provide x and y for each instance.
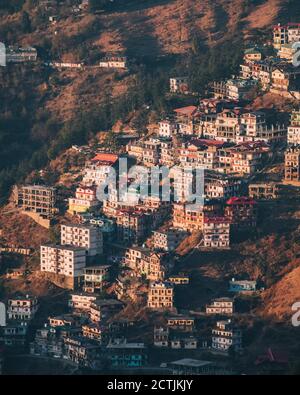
(138, 5)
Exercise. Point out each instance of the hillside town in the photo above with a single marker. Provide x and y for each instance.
(198, 183)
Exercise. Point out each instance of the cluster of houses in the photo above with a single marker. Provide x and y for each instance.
(211, 153)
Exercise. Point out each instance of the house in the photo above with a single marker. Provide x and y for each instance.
(292, 164)
(242, 286)
(85, 200)
(186, 119)
(97, 170)
(103, 309)
(201, 153)
(84, 236)
(179, 85)
(287, 52)
(48, 342)
(183, 341)
(62, 320)
(15, 54)
(167, 128)
(81, 350)
(92, 331)
(241, 212)
(81, 300)
(223, 306)
(22, 308)
(94, 277)
(161, 336)
(263, 190)
(181, 323)
(123, 354)
(68, 261)
(293, 134)
(189, 366)
(226, 336)
(239, 89)
(221, 186)
(114, 62)
(38, 199)
(160, 295)
(179, 279)
(189, 217)
(251, 54)
(216, 232)
(168, 240)
(285, 34)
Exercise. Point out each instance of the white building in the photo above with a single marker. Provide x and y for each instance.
(81, 300)
(216, 232)
(167, 128)
(85, 236)
(223, 306)
(63, 260)
(178, 84)
(22, 308)
(168, 240)
(225, 336)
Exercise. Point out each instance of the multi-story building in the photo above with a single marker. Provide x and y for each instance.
(160, 295)
(293, 136)
(81, 350)
(292, 164)
(186, 118)
(123, 354)
(93, 331)
(81, 300)
(38, 199)
(68, 261)
(22, 308)
(168, 240)
(189, 217)
(97, 170)
(181, 323)
(85, 200)
(94, 277)
(103, 309)
(242, 285)
(285, 34)
(147, 263)
(242, 212)
(16, 54)
(200, 152)
(216, 232)
(151, 152)
(263, 190)
(114, 62)
(223, 306)
(251, 54)
(226, 336)
(221, 186)
(179, 85)
(84, 236)
(167, 128)
(161, 336)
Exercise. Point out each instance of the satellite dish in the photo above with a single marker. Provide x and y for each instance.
(2, 314)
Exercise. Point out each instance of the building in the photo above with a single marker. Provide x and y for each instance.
(287, 52)
(81, 300)
(292, 164)
(216, 232)
(179, 85)
(85, 200)
(189, 366)
(81, 350)
(84, 236)
(16, 54)
(103, 309)
(252, 54)
(66, 261)
(161, 336)
(123, 354)
(285, 34)
(38, 199)
(263, 190)
(221, 186)
(94, 277)
(226, 336)
(48, 342)
(242, 212)
(97, 170)
(179, 279)
(168, 240)
(242, 286)
(189, 217)
(22, 308)
(114, 62)
(93, 331)
(160, 295)
(167, 128)
(293, 134)
(223, 306)
(181, 323)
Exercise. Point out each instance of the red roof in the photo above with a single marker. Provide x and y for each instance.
(208, 143)
(189, 110)
(107, 158)
(240, 200)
